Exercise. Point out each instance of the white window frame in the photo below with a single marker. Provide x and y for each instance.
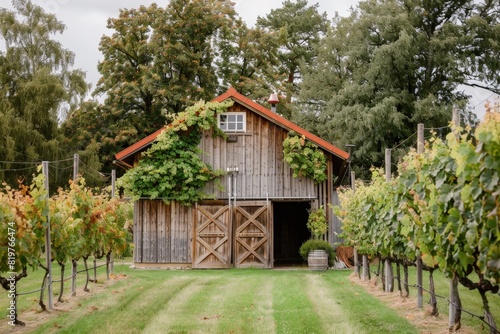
(228, 125)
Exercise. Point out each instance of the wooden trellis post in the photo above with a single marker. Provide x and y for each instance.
(366, 273)
(355, 251)
(389, 279)
(48, 250)
(74, 270)
(113, 185)
(420, 292)
(454, 280)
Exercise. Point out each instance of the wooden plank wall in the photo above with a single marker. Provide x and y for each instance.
(162, 232)
(258, 154)
(334, 222)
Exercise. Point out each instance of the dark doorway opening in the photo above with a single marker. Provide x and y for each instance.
(290, 231)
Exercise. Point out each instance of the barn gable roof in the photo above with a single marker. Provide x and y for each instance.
(231, 93)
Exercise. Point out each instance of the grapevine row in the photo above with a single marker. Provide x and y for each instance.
(443, 207)
(83, 224)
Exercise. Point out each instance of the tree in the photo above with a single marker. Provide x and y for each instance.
(393, 64)
(244, 65)
(37, 87)
(95, 134)
(157, 62)
(160, 60)
(298, 29)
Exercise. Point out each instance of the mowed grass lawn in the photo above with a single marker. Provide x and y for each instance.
(216, 301)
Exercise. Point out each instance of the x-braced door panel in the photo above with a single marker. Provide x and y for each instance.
(212, 239)
(253, 235)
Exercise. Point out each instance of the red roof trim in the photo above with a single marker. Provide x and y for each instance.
(268, 114)
(283, 122)
(138, 146)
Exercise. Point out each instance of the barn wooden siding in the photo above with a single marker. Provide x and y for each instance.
(173, 233)
(162, 232)
(334, 224)
(258, 155)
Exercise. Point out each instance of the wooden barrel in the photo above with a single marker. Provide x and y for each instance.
(317, 260)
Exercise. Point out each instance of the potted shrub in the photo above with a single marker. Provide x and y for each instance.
(318, 253)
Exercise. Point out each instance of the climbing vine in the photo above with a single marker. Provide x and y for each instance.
(173, 169)
(305, 158)
(317, 223)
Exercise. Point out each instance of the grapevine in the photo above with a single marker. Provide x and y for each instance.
(22, 210)
(305, 158)
(443, 205)
(83, 224)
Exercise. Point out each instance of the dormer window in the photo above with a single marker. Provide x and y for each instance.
(232, 121)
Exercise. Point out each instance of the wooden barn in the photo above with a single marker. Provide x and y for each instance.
(259, 218)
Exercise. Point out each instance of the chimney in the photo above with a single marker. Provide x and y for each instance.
(273, 100)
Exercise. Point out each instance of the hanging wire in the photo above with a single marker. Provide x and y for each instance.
(480, 317)
(484, 100)
(404, 141)
(22, 162)
(33, 162)
(56, 164)
(63, 160)
(17, 169)
(62, 168)
(33, 291)
(106, 175)
(440, 128)
(58, 281)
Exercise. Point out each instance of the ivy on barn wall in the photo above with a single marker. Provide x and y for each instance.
(304, 157)
(172, 169)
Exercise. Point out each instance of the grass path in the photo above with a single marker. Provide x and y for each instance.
(225, 301)
(169, 313)
(328, 307)
(294, 311)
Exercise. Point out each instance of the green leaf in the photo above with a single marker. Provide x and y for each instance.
(466, 192)
(472, 235)
(489, 179)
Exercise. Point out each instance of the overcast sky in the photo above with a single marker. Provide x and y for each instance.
(85, 22)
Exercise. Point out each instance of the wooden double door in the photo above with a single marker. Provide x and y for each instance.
(238, 235)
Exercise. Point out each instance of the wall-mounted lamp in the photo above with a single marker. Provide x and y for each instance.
(232, 170)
